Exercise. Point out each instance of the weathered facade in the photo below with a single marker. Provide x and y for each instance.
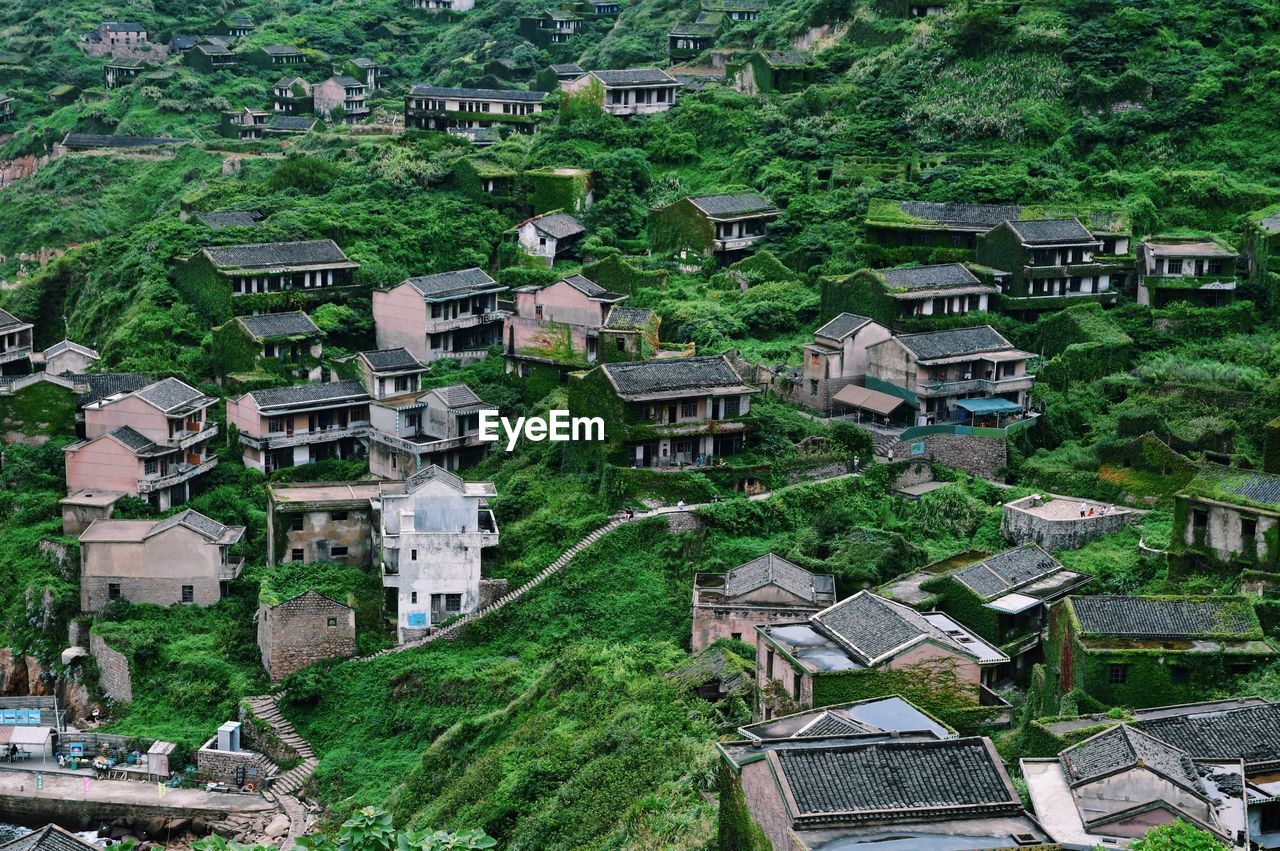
(723, 226)
(15, 340)
(836, 359)
(343, 99)
(1195, 270)
(439, 427)
(558, 324)
(549, 236)
(440, 108)
(1229, 517)
(912, 295)
(447, 315)
(631, 91)
(291, 426)
(1049, 262)
(303, 630)
(766, 590)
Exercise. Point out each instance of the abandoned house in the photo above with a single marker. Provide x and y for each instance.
(723, 226)
(117, 34)
(872, 716)
(768, 71)
(302, 630)
(549, 236)
(122, 71)
(65, 357)
(150, 443)
(630, 91)
(1048, 262)
(453, 315)
(285, 344)
(237, 26)
(554, 26)
(903, 294)
(16, 341)
(765, 590)
(834, 367)
(278, 54)
(388, 373)
(558, 325)
(6, 108)
(439, 427)
(291, 95)
(210, 56)
(443, 5)
(687, 39)
(185, 558)
(316, 269)
(1196, 270)
(1229, 516)
(341, 99)
(324, 522)
(291, 426)
(366, 71)
(438, 108)
(243, 124)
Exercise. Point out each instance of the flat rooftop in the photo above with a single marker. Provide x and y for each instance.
(812, 649)
(1066, 508)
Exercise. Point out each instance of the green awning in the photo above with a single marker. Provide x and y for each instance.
(994, 405)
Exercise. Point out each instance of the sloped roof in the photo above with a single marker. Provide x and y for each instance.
(558, 225)
(266, 326)
(345, 81)
(123, 27)
(8, 320)
(69, 346)
(171, 394)
(291, 123)
(637, 378)
(280, 49)
(930, 345)
(972, 214)
(1008, 570)
(433, 473)
(452, 284)
(841, 326)
(48, 838)
(457, 396)
(398, 358)
(308, 394)
(591, 289)
(939, 276)
(1250, 733)
(289, 81)
(198, 523)
(1162, 617)
(567, 68)
(104, 384)
(769, 569)
(732, 204)
(311, 252)
(1237, 486)
(212, 48)
(1051, 231)
(230, 218)
(634, 77)
(132, 438)
(478, 94)
(1124, 747)
(872, 627)
(99, 140)
(628, 318)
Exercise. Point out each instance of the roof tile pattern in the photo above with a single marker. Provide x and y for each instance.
(1153, 617)
(312, 252)
(1007, 570)
(1123, 747)
(660, 376)
(1251, 733)
(769, 569)
(928, 277)
(954, 343)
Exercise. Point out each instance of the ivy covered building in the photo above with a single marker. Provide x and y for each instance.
(629, 91)
(724, 226)
(768, 71)
(563, 325)
(1049, 262)
(899, 296)
(768, 589)
(270, 345)
(1148, 651)
(1227, 516)
(1195, 270)
(440, 108)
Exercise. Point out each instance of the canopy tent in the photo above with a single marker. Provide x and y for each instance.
(36, 741)
(994, 405)
(868, 399)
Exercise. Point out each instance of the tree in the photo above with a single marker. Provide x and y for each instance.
(1178, 836)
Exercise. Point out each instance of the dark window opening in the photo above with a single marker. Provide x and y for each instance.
(1118, 674)
(295, 555)
(113, 590)
(1179, 676)
(339, 552)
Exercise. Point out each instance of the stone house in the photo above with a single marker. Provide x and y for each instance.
(1049, 263)
(680, 411)
(805, 664)
(278, 54)
(151, 443)
(1196, 270)
(303, 630)
(905, 294)
(1054, 522)
(314, 271)
(413, 431)
(341, 93)
(768, 71)
(1148, 651)
(558, 324)
(16, 341)
(1229, 516)
(290, 426)
(765, 590)
(291, 95)
(443, 5)
(116, 34)
(847, 788)
(290, 340)
(185, 558)
(243, 124)
(630, 91)
(1111, 788)
(835, 360)
(723, 226)
(210, 56)
(327, 521)
(431, 536)
(122, 71)
(440, 108)
(549, 236)
(687, 39)
(366, 71)
(629, 333)
(66, 356)
(554, 26)
(453, 315)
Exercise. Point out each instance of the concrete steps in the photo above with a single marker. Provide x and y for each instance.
(266, 709)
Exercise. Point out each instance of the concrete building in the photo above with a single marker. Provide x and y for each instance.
(834, 361)
(290, 426)
(549, 236)
(390, 373)
(765, 590)
(439, 427)
(630, 91)
(314, 270)
(122, 71)
(1056, 522)
(305, 629)
(1228, 517)
(66, 357)
(440, 108)
(289, 342)
(559, 324)
(185, 558)
(1196, 270)
(151, 443)
(341, 98)
(209, 55)
(443, 5)
(447, 315)
(324, 521)
(908, 294)
(550, 27)
(724, 226)
(15, 339)
(291, 95)
(431, 537)
(116, 34)
(1049, 263)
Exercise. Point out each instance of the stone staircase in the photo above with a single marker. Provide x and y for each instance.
(266, 709)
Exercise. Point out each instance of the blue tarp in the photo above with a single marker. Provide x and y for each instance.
(989, 406)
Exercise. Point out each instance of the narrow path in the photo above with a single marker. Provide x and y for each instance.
(266, 708)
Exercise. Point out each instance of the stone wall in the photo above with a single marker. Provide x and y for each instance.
(915, 473)
(235, 768)
(1021, 526)
(113, 670)
(491, 590)
(826, 471)
(683, 521)
(304, 630)
(982, 456)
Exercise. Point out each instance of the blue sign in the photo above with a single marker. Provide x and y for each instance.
(917, 448)
(20, 717)
(416, 619)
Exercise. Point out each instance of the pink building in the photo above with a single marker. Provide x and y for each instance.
(448, 315)
(151, 443)
(765, 590)
(559, 323)
(290, 426)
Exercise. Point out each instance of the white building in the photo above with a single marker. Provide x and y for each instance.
(630, 91)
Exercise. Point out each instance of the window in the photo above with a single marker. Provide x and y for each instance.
(1241, 670)
(1248, 529)
(795, 684)
(338, 552)
(1213, 267)
(1118, 674)
(275, 425)
(113, 590)
(332, 622)
(413, 555)
(413, 597)
(453, 602)
(813, 387)
(188, 594)
(622, 344)
(149, 467)
(402, 384)
(736, 636)
(295, 522)
(1175, 267)
(1179, 675)
(732, 407)
(537, 311)
(768, 665)
(1199, 519)
(957, 241)
(295, 555)
(689, 408)
(338, 515)
(1271, 817)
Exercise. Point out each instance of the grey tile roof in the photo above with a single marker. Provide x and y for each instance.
(291, 123)
(833, 725)
(1155, 617)
(1051, 231)
(231, 218)
(364, 62)
(588, 287)
(428, 474)
(634, 77)
(8, 320)
(661, 376)
(48, 838)
(183, 42)
(269, 325)
(1251, 733)
(628, 318)
(398, 358)
(98, 140)
(452, 284)
(928, 277)
(458, 396)
(69, 346)
(123, 27)
(732, 204)
(1008, 570)
(346, 81)
(212, 49)
(842, 326)
(567, 68)
(132, 438)
(872, 627)
(197, 522)
(558, 225)
(280, 50)
(308, 394)
(1123, 747)
(969, 214)
(769, 569)
(170, 394)
(104, 384)
(1254, 486)
(931, 345)
(289, 80)
(311, 252)
(895, 780)
(478, 94)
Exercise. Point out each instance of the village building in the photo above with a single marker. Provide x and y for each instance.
(1005, 598)
(6, 108)
(559, 324)
(290, 125)
(317, 270)
(554, 26)
(443, 5)
(1104, 646)
(872, 718)
(95, 386)
(1229, 516)
(16, 342)
(1111, 788)
(285, 344)
(182, 43)
(631, 91)
(366, 71)
(1061, 522)
(687, 39)
(549, 236)
(862, 791)
(600, 8)
(681, 410)
(629, 333)
(834, 368)
(48, 838)
(210, 56)
(122, 71)
(324, 522)
(278, 54)
(341, 98)
(769, 71)
(439, 108)
(237, 26)
(454, 315)
(390, 373)
(302, 630)
(1049, 262)
(765, 590)
(150, 443)
(65, 356)
(725, 226)
(415, 430)
(183, 559)
(229, 219)
(431, 537)
(566, 71)
(479, 137)
(116, 34)
(291, 426)
(736, 11)
(908, 294)
(291, 95)
(243, 124)
(1196, 270)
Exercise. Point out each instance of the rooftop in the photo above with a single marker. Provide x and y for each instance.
(980, 217)
(772, 569)
(955, 342)
(591, 289)
(628, 318)
(1248, 733)
(48, 838)
(267, 326)
(8, 321)
(1166, 617)
(1051, 231)
(301, 395)
(1233, 485)
(173, 396)
(231, 218)
(873, 628)
(874, 715)
(454, 284)
(478, 94)
(278, 255)
(634, 77)
(1007, 571)
(841, 326)
(136, 531)
(457, 397)
(733, 204)
(644, 378)
(391, 360)
(557, 225)
(1123, 747)
(104, 384)
(941, 276)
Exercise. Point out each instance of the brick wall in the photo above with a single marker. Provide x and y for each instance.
(95, 592)
(304, 630)
(113, 670)
(982, 456)
(235, 768)
(1022, 527)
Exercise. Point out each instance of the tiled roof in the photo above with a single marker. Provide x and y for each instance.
(212, 49)
(1051, 231)
(268, 325)
(1006, 571)
(1225, 483)
(398, 358)
(456, 283)
(98, 140)
(661, 376)
(123, 27)
(104, 384)
(183, 42)
(280, 50)
(785, 58)
(928, 277)
(48, 838)
(769, 569)
(69, 346)
(364, 62)
(132, 438)
(311, 252)
(827, 724)
(567, 68)
(953, 343)
(458, 396)
(1155, 617)
(428, 474)
(289, 81)
(895, 780)
(558, 225)
(1123, 747)
(293, 123)
(628, 318)
(345, 81)
(970, 214)
(8, 320)
(231, 218)
(634, 77)
(842, 326)
(304, 394)
(732, 204)
(197, 522)
(588, 287)
(478, 94)
(169, 394)
(1250, 733)
(872, 627)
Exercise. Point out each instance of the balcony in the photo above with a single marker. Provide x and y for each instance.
(281, 440)
(17, 353)
(459, 354)
(472, 320)
(738, 243)
(186, 438)
(930, 389)
(184, 472)
(422, 444)
(231, 570)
